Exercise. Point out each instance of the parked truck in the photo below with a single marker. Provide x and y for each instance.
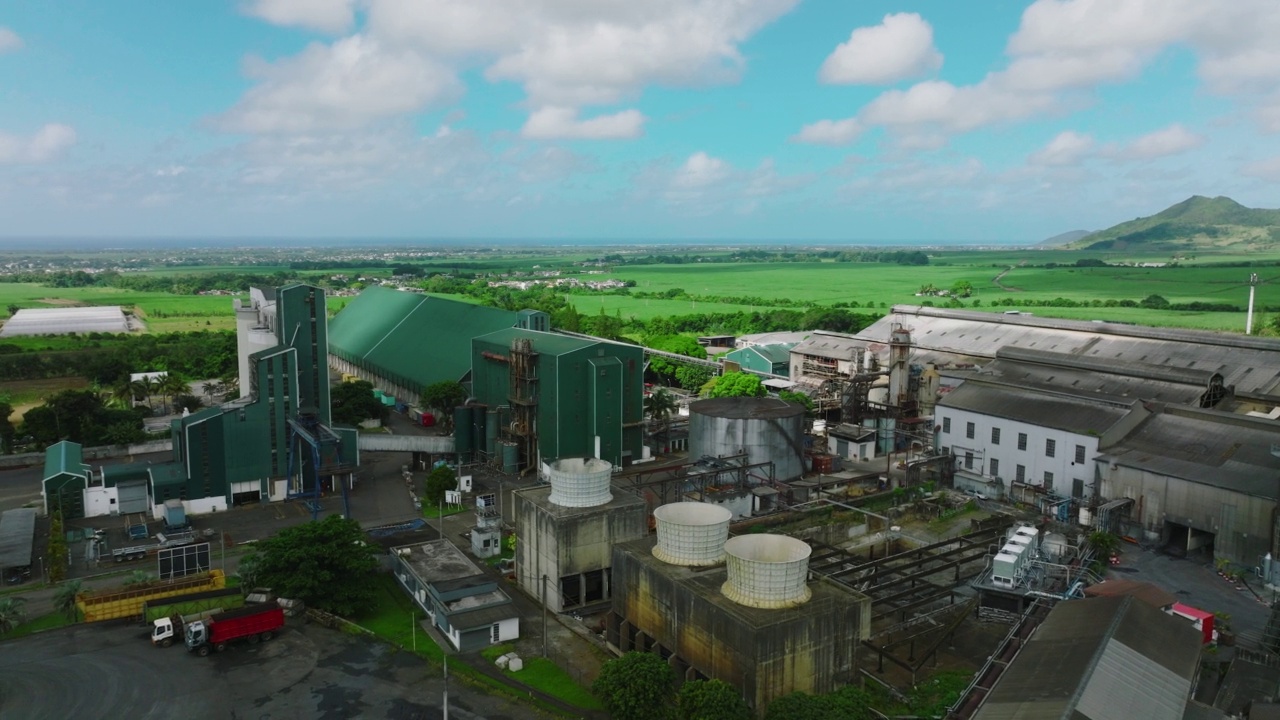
(254, 623)
(166, 630)
(161, 610)
(140, 552)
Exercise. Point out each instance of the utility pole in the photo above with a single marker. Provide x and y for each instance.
(442, 519)
(544, 617)
(446, 685)
(1248, 323)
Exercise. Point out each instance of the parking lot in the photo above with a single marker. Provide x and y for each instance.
(111, 671)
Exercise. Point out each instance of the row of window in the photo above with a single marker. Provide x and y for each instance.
(1050, 445)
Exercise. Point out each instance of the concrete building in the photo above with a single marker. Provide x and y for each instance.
(752, 619)
(774, 359)
(462, 602)
(557, 396)
(1109, 658)
(273, 442)
(827, 356)
(567, 529)
(402, 342)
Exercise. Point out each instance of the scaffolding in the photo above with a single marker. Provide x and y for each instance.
(326, 460)
(523, 397)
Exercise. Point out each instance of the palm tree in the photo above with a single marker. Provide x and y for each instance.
(138, 577)
(230, 385)
(172, 386)
(11, 613)
(122, 395)
(153, 389)
(660, 405)
(210, 387)
(64, 600)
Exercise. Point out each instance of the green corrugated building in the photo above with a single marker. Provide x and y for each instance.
(584, 398)
(403, 341)
(65, 479)
(773, 359)
(241, 450)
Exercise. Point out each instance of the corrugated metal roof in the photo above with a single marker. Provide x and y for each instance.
(409, 338)
(1206, 446)
(17, 534)
(1109, 658)
(777, 353)
(64, 457)
(543, 343)
(1252, 364)
(830, 346)
(62, 320)
(1035, 407)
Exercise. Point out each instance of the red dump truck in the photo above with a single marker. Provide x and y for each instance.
(251, 622)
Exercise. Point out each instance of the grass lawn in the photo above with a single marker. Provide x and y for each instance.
(25, 394)
(434, 513)
(44, 622)
(393, 616)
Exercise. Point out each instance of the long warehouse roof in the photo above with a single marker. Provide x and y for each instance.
(63, 320)
(410, 338)
(1251, 364)
(17, 534)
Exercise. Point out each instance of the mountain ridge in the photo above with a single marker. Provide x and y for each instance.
(1198, 222)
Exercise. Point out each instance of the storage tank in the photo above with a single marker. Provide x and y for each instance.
(767, 571)
(579, 482)
(510, 457)
(1054, 546)
(691, 533)
(462, 430)
(764, 428)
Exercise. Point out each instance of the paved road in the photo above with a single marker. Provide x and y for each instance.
(110, 671)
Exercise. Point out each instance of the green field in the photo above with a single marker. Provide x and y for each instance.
(162, 312)
(649, 308)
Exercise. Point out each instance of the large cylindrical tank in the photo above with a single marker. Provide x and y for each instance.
(767, 571)
(1054, 546)
(580, 482)
(691, 533)
(766, 429)
(462, 430)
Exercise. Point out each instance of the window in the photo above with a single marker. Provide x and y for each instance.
(995, 467)
(946, 424)
(969, 430)
(968, 460)
(1022, 441)
(1048, 479)
(1079, 454)
(995, 436)
(1021, 474)
(1077, 488)
(1050, 447)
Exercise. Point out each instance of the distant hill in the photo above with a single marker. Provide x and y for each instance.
(1195, 223)
(1065, 238)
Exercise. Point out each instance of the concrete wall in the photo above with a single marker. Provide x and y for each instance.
(1063, 466)
(99, 501)
(764, 654)
(558, 542)
(1241, 523)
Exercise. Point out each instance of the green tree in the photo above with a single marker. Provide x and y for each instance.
(799, 397)
(171, 386)
(1103, 543)
(680, 345)
(327, 564)
(962, 288)
(13, 309)
(444, 397)
(636, 686)
(735, 384)
(64, 600)
(247, 571)
(711, 700)
(209, 389)
(11, 613)
(351, 403)
(7, 431)
(439, 481)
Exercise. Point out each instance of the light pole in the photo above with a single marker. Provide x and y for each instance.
(446, 685)
(544, 616)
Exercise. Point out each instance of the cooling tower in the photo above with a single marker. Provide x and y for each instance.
(579, 482)
(691, 533)
(767, 571)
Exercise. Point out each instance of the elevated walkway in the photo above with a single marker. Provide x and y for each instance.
(379, 442)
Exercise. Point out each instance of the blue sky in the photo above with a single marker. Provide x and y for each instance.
(790, 120)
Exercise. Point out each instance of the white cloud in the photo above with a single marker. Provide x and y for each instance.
(9, 40)
(331, 16)
(1267, 169)
(48, 143)
(1064, 48)
(1172, 140)
(898, 48)
(567, 54)
(830, 132)
(700, 171)
(562, 123)
(345, 85)
(1067, 148)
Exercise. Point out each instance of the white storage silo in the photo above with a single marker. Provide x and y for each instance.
(579, 482)
(767, 571)
(766, 429)
(691, 533)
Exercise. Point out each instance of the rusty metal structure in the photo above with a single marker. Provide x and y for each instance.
(523, 398)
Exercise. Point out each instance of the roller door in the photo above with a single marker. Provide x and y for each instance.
(132, 497)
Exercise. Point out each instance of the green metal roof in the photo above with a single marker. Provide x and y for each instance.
(115, 474)
(410, 338)
(168, 474)
(64, 458)
(777, 353)
(543, 343)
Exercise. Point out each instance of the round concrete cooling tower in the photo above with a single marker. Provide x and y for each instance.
(767, 571)
(691, 533)
(764, 428)
(580, 482)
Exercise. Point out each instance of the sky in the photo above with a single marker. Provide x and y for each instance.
(835, 121)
